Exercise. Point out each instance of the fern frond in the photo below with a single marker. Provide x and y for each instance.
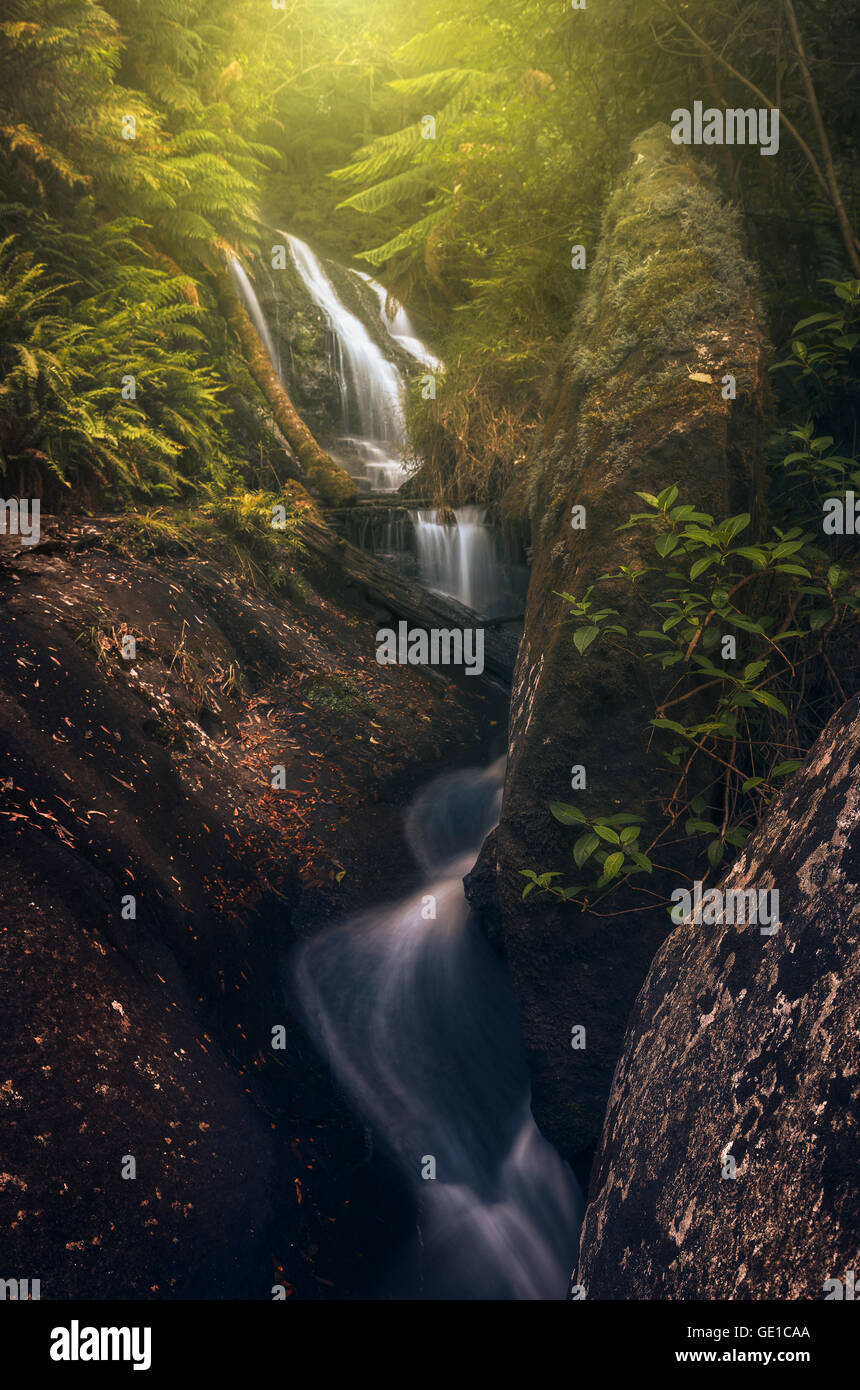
(394, 190)
(409, 240)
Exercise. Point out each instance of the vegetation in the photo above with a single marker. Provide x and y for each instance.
(462, 152)
(767, 625)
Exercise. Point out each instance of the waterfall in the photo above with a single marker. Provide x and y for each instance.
(369, 385)
(417, 1017)
(252, 304)
(464, 559)
(399, 325)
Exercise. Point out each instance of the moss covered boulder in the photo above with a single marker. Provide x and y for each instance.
(671, 308)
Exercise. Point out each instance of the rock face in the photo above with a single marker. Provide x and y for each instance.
(669, 294)
(745, 1045)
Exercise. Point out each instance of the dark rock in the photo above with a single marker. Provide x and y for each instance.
(745, 1045)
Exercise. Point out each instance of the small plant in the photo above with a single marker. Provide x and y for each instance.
(744, 629)
(339, 694)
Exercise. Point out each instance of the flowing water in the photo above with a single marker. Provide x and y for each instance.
(399, 325)
(370, 386)
(252, 304)
(463, 558)
(417, 1018)
(459, 558)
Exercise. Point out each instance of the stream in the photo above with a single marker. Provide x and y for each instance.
(417, 1018)
(407, 1001)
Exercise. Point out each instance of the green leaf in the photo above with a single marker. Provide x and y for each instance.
(786, 768)
(669, 724)
(584, 848)
(700, 566)
(734, 525)
(815, 318)
(754, 669)
(612, 866)
(715, 853)
(607, 833)
(583, 638)
(667, 497)
(752, 552)
(764, 697)
(566, 814)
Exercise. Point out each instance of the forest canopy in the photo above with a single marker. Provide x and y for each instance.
(456, 151)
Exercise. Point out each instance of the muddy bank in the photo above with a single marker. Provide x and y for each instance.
(149, 1037)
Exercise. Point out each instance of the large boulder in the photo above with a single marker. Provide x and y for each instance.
(671, 307)
(743, 1046)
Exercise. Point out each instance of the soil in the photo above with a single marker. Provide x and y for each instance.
(149, 1037)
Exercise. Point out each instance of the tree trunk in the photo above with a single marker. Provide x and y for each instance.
(333, 483)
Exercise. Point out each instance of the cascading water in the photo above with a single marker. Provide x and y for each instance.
(252, 304)
(464, 559)
(370, 386)
(457, 558)
(416, 1015)
(399, 325)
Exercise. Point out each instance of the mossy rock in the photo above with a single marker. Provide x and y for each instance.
(333, 484)
(670, 297)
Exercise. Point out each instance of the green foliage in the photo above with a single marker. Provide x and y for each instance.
(234, 528)
(819, 386)
(787, 605)
(64, 353)
(247, 116)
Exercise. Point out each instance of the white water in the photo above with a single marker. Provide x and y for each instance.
(369, 385)
(464, 559)
(457, 559)
(420, 1026)
(460, 560)
(399, 325)
(252, 304)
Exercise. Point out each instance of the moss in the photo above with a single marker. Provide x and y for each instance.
(334, 485)
(338, 694)
(668, 268)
